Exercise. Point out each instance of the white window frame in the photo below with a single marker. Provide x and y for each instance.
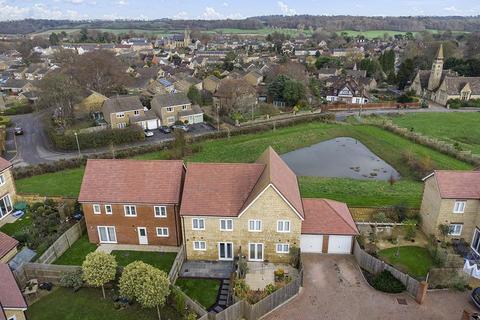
(450, 233)
(2, 179)
(162, 234)
(169, 109)
(136, 112)
(225, 243)
(127, 209)
(477, 248)
(199, 248)
(255, 221)
(282, 247)
(120, 115)
(198, 223)
(5, 199)
(162, 211)
(283, 223)
(184, 107)
(171, 119)
(14, 317)
(96, 208)
(108, 209)
(256, 244)
(106, 229)
(121, 125)
(459, 206)
(226, 224)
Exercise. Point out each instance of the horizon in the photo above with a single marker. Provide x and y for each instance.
(91, 10)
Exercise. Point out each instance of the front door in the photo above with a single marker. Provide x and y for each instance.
(225, 251)
(142, 235)
(255, 251)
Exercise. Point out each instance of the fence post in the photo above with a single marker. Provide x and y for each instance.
(422, 292)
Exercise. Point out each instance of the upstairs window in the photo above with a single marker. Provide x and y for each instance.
(283, 226)
(96, 209)
(108, 209)
(226, 224)
(459, 206)
(198, 224)
(255, 225)
(160, 211)
(130, 211)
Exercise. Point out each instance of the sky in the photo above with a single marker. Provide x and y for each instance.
(227, 9)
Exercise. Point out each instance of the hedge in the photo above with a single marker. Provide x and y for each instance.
(386, 282)
(457, 103)
(18, 109)
(5, 121)
(97, 139)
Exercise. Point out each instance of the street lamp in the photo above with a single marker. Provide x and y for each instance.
(218, 117)
(78, 144)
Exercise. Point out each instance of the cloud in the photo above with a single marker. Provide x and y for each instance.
(211, 14)
(285, 9)
(181, 15)
(122, 2)
(76, 1)
(37, 11)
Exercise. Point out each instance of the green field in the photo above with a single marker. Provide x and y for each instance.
(371, 34)
(247, 148)
(453, 127)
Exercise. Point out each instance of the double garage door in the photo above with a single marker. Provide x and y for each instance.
(310, 243)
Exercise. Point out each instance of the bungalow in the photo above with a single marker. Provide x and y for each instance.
(12, 302)
(132, 201)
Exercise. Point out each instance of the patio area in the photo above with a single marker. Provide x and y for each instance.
(260, 274)
(207, 269)
(108, 248)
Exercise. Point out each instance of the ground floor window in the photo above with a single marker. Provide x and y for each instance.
(476, 241)
(255, 251)
(455, 229)
(5, 206)
(107, 234)
(162, 232)
(283, 248)
(199, 245)
(225, 251)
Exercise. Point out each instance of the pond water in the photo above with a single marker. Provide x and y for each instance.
(341, 157)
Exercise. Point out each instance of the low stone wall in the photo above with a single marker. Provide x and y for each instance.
(370, 106)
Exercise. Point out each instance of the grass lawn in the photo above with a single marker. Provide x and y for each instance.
(77, 252)
(18, 225)
(160, 260)
(247, 148)
(204, 291)
(460, 127)
(88, 304)
(416, 261)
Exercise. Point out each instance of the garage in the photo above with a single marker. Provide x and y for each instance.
(311, 243)
(340, 244)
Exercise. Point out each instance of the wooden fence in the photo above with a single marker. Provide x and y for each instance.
(62, 244)
(177, 265)
(192, 304)
(375, 266)
(243, 310)
(42, 272)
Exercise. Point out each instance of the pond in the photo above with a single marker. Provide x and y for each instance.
(341, 157)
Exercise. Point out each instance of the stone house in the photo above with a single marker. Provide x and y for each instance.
(133, 201)
(254, 78)
(211, 83)
(255, 209)
(12, 302)
(452, 198)
(7, 188)
(8, 247)
(121, 111)
(172, 107)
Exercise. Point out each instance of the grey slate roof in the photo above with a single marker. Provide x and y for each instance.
(121, 104)
(455, 84)
(195, 110)
(169, 99)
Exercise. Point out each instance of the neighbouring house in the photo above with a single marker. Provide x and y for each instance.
(255, 209)
(133, 201)
(12, 302)
(172, 107)
(347, 90)
(91, 103)
(441, 85)
(8, 247)
(452, 198)
(328, 72)
(16, 86)
(121, 111)
(211, 83)
(234, 95)
(184, 84)
(7, 188)
(254, 78)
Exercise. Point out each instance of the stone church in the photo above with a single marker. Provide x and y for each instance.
(441, 85)
(178, 40)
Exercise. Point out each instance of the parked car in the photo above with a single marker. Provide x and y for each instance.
(475, 295)
(18, 131)
(148, 133)
(180, 127)
(165, 129)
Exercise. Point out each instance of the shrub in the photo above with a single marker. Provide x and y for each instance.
(242, 267)
(406, 99)
(179, 301)
(379, 217)
(386, 282)
(295, 256)
(72, 280)
(279, 274)
(191, 316)
(241, 288)
(400, 212)
(5, 121)
(410, 229)
(18, 108)
(270, 288)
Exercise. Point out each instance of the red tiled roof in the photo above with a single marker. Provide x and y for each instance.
(323, 216)
(132, 181)
(10, 295)
(4, 164)
(3, 316)
(7, 244)
(458, 184)
(281, 176)
(218, 189)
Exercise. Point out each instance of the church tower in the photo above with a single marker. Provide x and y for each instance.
(437, 70)
(186, 38)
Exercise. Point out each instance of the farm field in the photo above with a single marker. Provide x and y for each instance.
(453, 127)
(247, 148)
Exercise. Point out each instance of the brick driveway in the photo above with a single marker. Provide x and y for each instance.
(335, 289)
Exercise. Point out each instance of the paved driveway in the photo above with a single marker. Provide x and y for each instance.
(335, 289)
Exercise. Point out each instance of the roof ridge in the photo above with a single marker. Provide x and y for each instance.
(135, 160)
(226, 163)
(328, 203)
